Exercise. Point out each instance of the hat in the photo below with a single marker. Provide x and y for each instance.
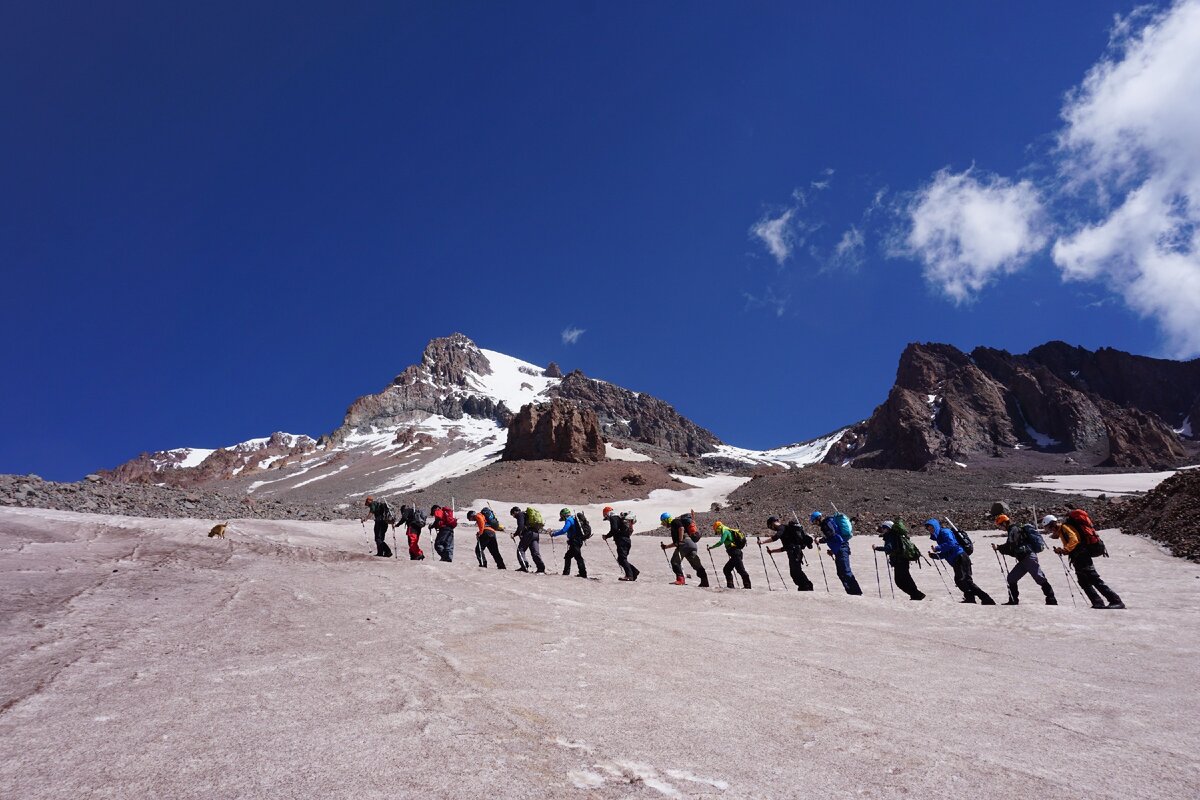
(1049, 520)
(886, 525)
(1002, 519)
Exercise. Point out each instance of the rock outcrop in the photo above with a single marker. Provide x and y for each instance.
(1169, 513)
(558, 431)
(636, 417)
(1107, 408)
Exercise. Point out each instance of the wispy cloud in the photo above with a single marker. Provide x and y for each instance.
(772, 300)
(776, 235)
(967, 230)
(571, 335)
(850, 249)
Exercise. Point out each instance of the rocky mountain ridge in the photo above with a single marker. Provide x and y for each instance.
(1103, 408)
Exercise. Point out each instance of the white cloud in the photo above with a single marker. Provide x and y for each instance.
(571, 335)
(967, 231)
(849, 249)
(776, 234)
(1132, 139)
(774, 301)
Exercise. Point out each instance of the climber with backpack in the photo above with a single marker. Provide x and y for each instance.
(835, 534)
(684, 536)
(485, 537)
(734, 542)
(955, 548)
(1081, 545)
(620, 530)
(900, 552)
(577, 530)
(1023, 544)
(382, 512)
(413, 520)
(443, 522)
(793, 540)
(529, 530)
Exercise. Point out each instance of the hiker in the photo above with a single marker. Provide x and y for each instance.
(529, 530)
(444, 523)
(734, 541)
(835, 534)
(573, 530)
(792, 540)
(485, 537)
(382, 512)
(953, 553)
(620, 530)
(683, 541)
(1074, 535)
(413, 521)
(900, 552)
(1023, 544)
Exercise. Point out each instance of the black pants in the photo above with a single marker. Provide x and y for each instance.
(624, 543)
(904, 579)
(735, 564)
(381, 545)
(528, 543)
(966, 583)
(1089, 580)
(486, 543)
(796, 568)
(574, 551)
(693, 558)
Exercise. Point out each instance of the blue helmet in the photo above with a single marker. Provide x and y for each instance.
(664, 518)
(815, 516)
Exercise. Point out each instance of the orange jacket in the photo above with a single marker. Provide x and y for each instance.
(1070, 539)
(481, 521)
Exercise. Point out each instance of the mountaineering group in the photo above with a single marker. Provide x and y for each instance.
(1076, 536)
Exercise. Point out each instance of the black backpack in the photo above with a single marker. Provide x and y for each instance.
(416, 518)
(380, 509)
(582, 521)
(964, 541)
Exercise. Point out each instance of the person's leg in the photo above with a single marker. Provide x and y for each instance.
(479, 552)
(1034, 567)
(962, 583)
(493, 547)
(728, 571)
(623, 545)
(796, 568)
(449, 544)
(677, 562)
(693, 558)
(1015, 574)
(414, 544)
(381, 545)
(841, 560)
(1090, 582)
(535, 551)
(737, 557)
(969, 582)
(902, 571)
(581, 567)
(522, 548)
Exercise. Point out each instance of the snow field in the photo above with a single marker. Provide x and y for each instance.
(284, 662)
(1096, 485)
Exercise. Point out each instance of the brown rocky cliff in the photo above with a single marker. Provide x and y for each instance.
(636, 417)
(558, 431)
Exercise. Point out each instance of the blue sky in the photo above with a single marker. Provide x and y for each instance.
(221, 221)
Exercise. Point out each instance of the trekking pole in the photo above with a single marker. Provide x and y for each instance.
(714, 565)
(1068, 577)
(776, 563)
(878, 585)
(820, 561)
(886, 569)
(945, 585)
(764, 560)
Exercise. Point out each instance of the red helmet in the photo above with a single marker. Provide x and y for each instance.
(607, 510)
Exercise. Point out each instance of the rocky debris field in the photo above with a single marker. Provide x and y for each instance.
(1170, 513)
(99, 496)
(965, 496)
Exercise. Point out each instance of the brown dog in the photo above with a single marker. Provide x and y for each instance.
(218, 530)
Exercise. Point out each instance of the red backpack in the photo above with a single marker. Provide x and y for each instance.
(1088, 538)
(446, 518)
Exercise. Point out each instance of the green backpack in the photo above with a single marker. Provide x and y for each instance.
(533, 519)
(738, 538)
(910, 550)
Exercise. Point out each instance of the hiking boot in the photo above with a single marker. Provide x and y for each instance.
(679, 581)
(967, 600)
(581, 575)
(540, 572)
(730, 585)
(916, 597)
(1117, 604)
(626, 580)
(1051, 601)
(986, 600)
(522, 569)
(1011, 603)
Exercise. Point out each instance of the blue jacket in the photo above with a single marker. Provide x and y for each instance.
(947, 545)
(571, 529)
(833, 539)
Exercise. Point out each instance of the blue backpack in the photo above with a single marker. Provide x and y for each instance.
(1033, 538)
(843, 526)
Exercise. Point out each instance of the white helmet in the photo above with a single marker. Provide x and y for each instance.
(885, 525)
(1049, 520)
